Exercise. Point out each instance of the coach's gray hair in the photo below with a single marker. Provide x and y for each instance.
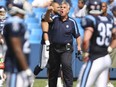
(65, 2)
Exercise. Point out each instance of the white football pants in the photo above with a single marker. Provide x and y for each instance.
(44, 57)
(95, 72)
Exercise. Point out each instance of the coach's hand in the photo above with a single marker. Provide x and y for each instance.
(79, 55)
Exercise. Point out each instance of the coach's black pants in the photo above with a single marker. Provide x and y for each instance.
(64, 58)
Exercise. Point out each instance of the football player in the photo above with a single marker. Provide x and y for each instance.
(99, 40)
(46, 28)
(18, 48)
(2, 45)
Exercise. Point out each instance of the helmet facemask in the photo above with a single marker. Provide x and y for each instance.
(95, 7)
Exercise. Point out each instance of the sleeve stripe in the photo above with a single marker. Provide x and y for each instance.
(54, 16)
(76, 28)
(92, 18)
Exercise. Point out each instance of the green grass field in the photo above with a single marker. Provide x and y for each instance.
(43, 82)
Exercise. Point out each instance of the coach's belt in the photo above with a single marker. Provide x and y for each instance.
(66, 46)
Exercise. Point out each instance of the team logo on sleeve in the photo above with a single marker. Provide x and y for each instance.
(15, 27)
(67, 26)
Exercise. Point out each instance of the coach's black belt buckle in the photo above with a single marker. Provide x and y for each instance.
(68, 46)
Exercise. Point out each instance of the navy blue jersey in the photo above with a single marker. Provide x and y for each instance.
(2, 22)
(64, 31)
(101, 37)
(15, 27)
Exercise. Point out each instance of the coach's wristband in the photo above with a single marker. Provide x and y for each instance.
(110, 49)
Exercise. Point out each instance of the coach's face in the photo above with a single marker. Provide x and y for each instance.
(64, 10)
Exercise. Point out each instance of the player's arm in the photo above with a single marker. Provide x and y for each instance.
(48, 14)
(87, 25)
(113, 42)
(45, 28)
(86, 42)
(87, 36)
(17, 49)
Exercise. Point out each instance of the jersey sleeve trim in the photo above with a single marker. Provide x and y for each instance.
(76, 27)
(91, 18)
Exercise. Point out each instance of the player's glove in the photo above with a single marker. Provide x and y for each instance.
(85, 56)
(28, 77)
(82, 56)
(109, 49)
(1, 39)
(47, 44)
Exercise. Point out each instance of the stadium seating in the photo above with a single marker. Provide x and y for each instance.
(2, 2)
(30, 1)
(35, 36)
(31, 20)
(33, 26)
(39, 10)
(38, 15)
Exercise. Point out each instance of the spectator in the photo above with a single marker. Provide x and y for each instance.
(9, 4)
(18, 49)
(113, 54)
(80, 11)
(60, 1)
(111, 4)
(114, 14)
(21, 3)
(96, 47)
(63, 30)
(2, 44)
